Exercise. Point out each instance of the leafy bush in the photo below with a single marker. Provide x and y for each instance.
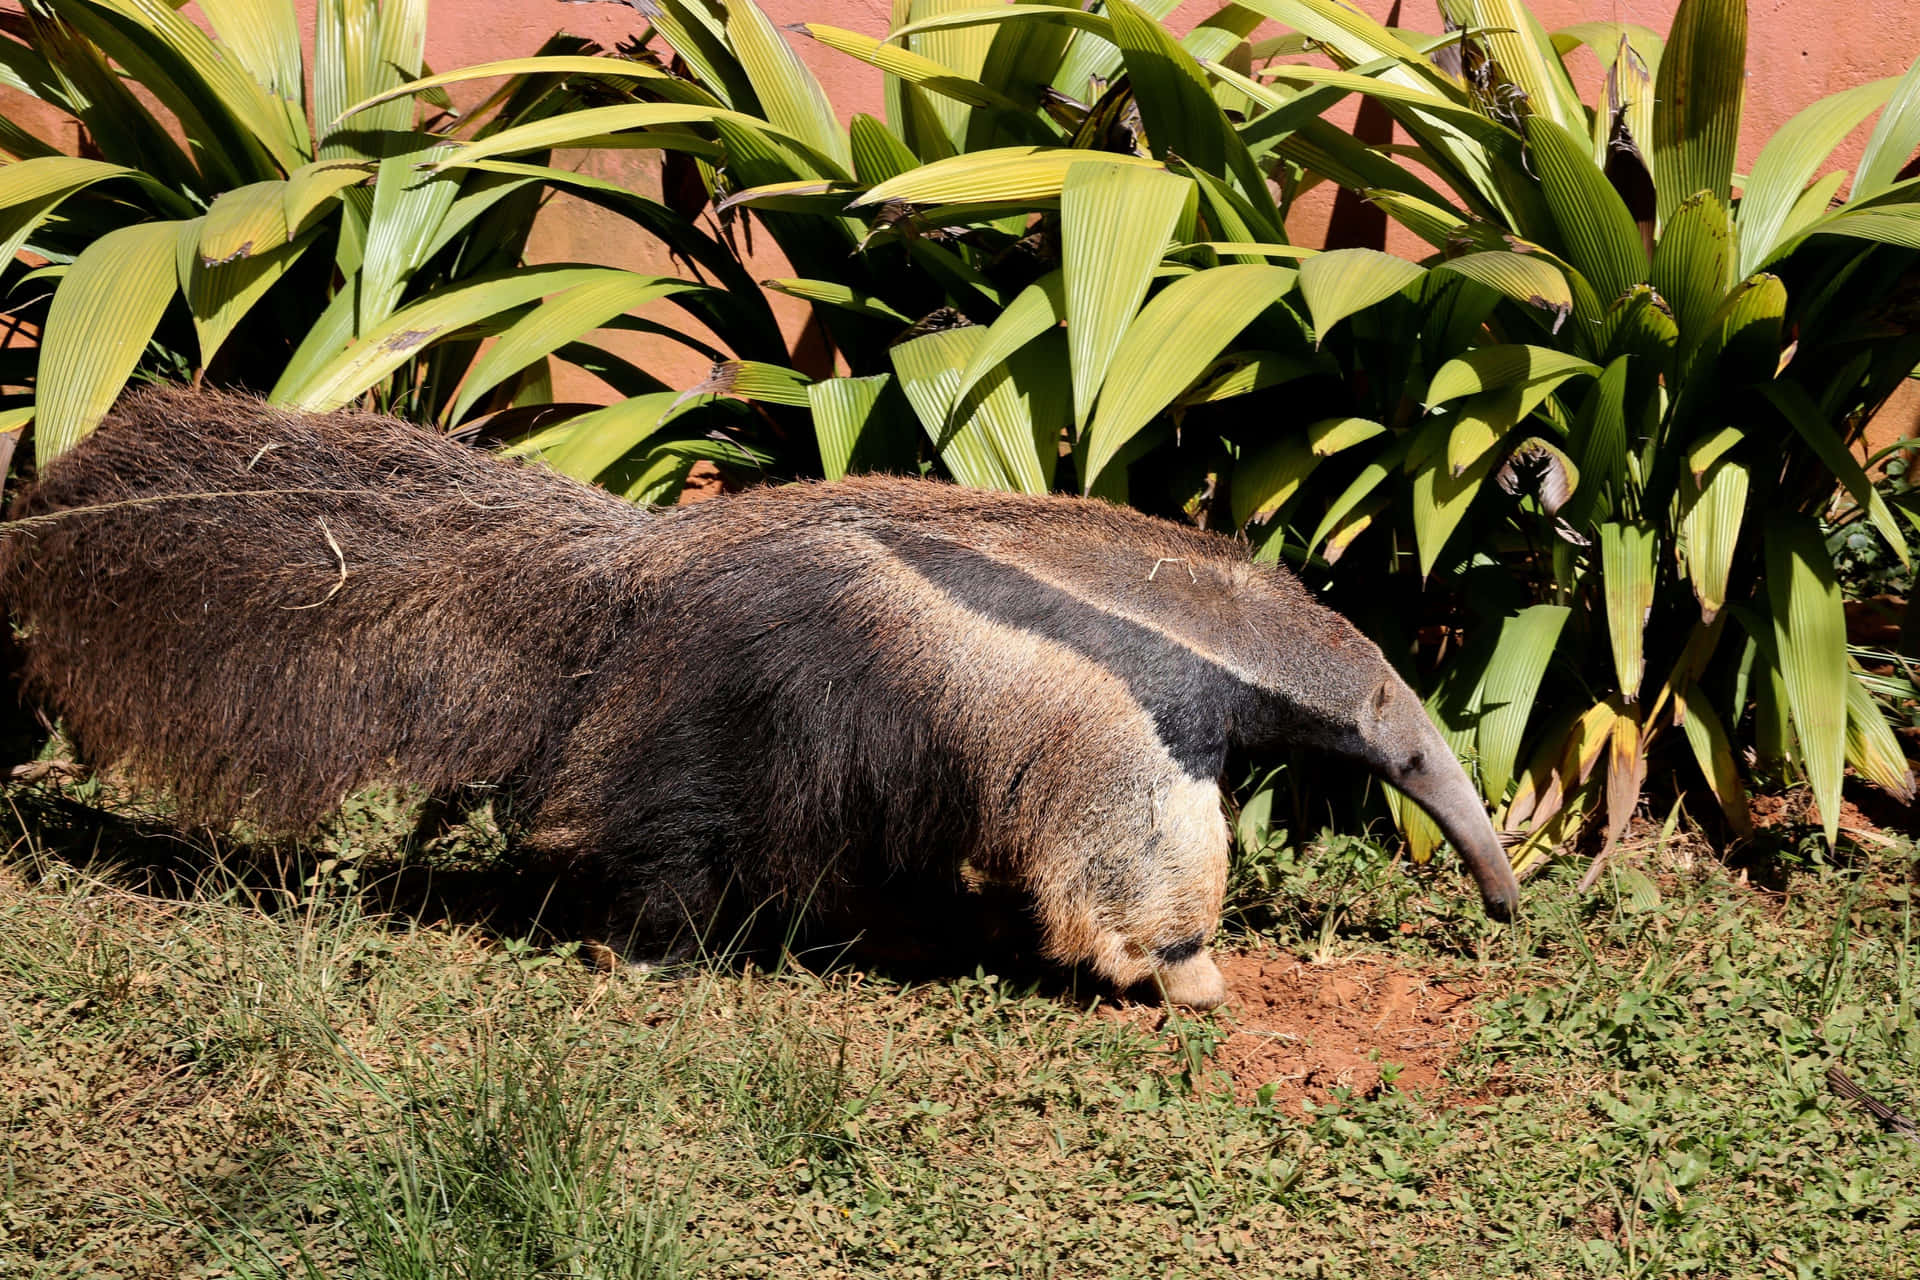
(1607, 487)
(1604, 418)
(296, 249)
(1544, 466)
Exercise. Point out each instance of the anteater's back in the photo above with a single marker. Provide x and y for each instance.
(213, 644)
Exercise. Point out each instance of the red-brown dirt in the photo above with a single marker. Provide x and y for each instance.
(1308, 1029)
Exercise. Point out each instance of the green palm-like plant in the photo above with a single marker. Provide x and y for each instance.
(1659, 457)
(296, 250)
(1546, 465)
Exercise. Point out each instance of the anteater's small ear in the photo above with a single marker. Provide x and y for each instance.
(1382, 696)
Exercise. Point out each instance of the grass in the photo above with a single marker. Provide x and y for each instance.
(205, 1074)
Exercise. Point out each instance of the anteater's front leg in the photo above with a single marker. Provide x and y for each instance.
(1133, 885)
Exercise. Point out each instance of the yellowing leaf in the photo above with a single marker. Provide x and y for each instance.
(1340, 282)
(106, 308)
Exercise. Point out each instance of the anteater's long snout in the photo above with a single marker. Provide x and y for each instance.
(1409, 752)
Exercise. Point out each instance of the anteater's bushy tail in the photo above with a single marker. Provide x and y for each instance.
(263, 611)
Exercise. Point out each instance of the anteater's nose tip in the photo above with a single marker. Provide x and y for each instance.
(1503, 904)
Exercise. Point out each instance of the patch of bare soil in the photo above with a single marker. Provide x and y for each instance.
(1308, 1029)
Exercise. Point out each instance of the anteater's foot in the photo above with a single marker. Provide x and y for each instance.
(1195, 982)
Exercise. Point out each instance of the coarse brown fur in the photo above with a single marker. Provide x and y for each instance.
(788, 689)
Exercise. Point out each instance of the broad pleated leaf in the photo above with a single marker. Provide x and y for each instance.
(1003, 434)
(408, 209)
(962, 49)
(1629, 559)
(1742, 346)
(569, 314)
(1813, 205)
(1527, 278)
(842, 409)
(1330, 435)
(1245, 371)
(1715, 754)
(363, 48)
(1040, 306)
(1799, 410)
(106, 308)
(1417, 99)
(1710, 448)
(1360, 494)
(1505, 365)
(220, 296)
(1561, 765)
(1626, 772)
(878, 154)
(1177, 104)
(1266, 479)
(1341, 282)
(1520, 658)
(1479, 424)
(1892, 225)
(246, 220)
(313, 186)
(1629, 94)
(1710, 520)
(244, 132)
(788, 92)
(696, 31)
(588, 127)
(1604, 39)
(405, 333)
(1810, 635)
(597, 440)
(265, 36)
(1009, 174)
(1170, 344)
(1693, 263)
(1697, 97)
(1344, 28)
(1023, 60)
(1895, 137)
(1872, 748)
(1790, 158)
(831, 293)
(1598, 233)
(1442, 497)
(935, 77)
(1115, 223)
(754, 380)
(32, 189)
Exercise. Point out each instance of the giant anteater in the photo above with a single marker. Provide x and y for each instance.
(791, 688)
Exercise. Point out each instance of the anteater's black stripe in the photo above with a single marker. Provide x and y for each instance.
(1174, 953)
(1191, 699)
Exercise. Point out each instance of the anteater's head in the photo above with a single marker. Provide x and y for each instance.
(1319, 682)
